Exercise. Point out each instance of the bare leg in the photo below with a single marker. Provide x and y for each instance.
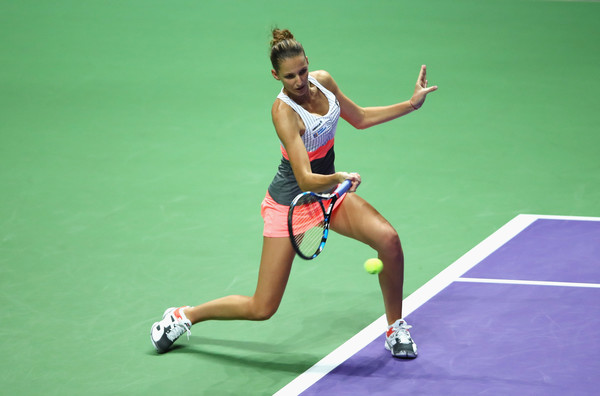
(357, 219)
(275, 267)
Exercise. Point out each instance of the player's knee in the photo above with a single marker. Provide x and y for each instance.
(389, 241)
(263, 311)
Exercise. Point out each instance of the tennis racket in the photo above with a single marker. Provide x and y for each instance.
(308, 221)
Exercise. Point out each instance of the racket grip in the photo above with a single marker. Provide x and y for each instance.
(343, 188)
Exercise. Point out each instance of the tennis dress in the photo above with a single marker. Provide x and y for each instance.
(318, 140)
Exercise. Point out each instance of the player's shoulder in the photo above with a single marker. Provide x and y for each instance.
(280, 107)
(282, 112)
(324, 78)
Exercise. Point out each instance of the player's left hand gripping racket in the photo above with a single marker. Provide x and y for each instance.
(308, 221)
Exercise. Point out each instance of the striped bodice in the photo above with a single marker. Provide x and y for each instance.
(320, 130)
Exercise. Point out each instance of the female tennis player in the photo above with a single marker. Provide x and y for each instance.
(305, 115)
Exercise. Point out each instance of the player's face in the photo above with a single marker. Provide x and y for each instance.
(293, 74)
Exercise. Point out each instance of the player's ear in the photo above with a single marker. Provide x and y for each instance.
(274, 73)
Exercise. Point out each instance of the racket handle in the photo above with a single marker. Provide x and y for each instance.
(343, 188)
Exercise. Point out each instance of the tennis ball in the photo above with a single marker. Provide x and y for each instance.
(373, 266)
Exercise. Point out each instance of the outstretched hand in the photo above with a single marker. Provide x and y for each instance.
(421, 89)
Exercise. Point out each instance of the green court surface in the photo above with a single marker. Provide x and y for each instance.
(136, 146)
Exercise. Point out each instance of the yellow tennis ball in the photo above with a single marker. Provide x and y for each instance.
(373, 266)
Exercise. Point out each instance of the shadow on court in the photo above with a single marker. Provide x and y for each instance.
(263, 356)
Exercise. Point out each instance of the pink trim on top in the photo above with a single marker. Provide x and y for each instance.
(313, 155)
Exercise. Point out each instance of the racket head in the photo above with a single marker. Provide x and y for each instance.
(308, 225)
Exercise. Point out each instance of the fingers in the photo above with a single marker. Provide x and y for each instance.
(354, 177)
(431, 89)
(356, 180)
(422, 83)
(422, 74)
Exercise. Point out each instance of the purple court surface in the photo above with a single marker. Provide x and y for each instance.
(517, 315)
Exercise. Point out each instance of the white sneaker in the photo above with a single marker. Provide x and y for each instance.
(399, 342)
(173, 324)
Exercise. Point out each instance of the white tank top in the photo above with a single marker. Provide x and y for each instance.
(320, 130)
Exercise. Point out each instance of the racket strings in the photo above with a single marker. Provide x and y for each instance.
(308, 224)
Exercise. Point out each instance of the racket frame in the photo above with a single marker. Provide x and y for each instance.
(340, 190)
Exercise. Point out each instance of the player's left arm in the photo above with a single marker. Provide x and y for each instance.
(365, 117)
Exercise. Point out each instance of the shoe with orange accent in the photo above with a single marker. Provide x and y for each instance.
(399, 342)
(173, 324)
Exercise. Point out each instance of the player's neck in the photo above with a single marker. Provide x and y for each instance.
(305, 99)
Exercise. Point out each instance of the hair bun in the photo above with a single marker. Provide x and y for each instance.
(283, 45)
(280, 35)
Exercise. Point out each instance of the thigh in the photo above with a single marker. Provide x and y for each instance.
(357, 219)
(275, 266)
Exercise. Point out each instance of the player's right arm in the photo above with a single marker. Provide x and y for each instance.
(289, 128)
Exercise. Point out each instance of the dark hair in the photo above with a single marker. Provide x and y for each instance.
(283, 45)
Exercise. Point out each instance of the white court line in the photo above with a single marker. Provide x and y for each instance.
(528, 282)
(571, 1)
(551, 217)
(416, 299)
